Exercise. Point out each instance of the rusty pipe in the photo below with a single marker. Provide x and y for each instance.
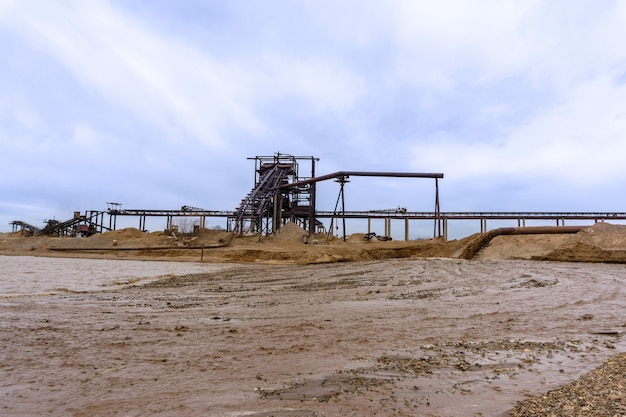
(474, 247)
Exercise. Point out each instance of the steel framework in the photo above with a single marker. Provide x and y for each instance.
(342, 177)
(282, 193)
(270, 204)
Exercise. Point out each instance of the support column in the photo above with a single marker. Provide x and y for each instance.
(406, 230)
(277, 213)
(437, 226)
(343, 208)
(312, 208)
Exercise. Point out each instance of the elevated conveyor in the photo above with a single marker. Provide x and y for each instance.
(263, 203)
(29, 229)
(85, 225)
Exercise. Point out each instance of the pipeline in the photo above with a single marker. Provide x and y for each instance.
(145, 248)
(483, 240)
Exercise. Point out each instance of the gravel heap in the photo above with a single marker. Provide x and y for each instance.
(601, 392)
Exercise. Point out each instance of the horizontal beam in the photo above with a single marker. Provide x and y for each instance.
(400, 214)
(346, 174)
(178, 213)
(476, 215)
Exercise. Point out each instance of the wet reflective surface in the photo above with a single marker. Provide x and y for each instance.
(431, 337)
(24, 275)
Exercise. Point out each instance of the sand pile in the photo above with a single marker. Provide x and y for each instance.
(290, 232)
(522, 246)
(601, 392)
(602, 242)
(127, 233)
(604, 235)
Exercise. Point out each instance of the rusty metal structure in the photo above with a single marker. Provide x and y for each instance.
(284, 190)
(26, 228)
(343, 177)
(274, 199)
(79, 225)
(280, 195)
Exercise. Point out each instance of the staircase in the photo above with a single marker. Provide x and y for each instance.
(261, 201)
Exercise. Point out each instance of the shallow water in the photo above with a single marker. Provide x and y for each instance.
(30, 275)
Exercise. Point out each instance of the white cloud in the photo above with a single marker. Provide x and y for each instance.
(87, 139)
(325, 85)
(570, 132)
(158, 79)
(551, 43)
(580, 141)
(438, 41)
(172, 83)
(494, 92)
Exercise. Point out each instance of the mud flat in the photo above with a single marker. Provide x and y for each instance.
(395, 337)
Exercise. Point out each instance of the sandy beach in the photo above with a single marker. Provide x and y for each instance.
(417, 334)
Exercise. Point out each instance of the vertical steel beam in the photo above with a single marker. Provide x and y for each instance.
(343, 207)
(437, 226)
(312, 202)
(406, 230)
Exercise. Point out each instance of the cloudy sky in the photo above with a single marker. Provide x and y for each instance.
(521, 104)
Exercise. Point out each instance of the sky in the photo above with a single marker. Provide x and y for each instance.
(155, 105)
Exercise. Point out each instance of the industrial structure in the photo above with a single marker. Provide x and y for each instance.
(281, 194)
(284, 190)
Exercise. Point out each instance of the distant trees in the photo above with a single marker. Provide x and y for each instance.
(186, 224)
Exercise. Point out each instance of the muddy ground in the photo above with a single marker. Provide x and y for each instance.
(404, 336)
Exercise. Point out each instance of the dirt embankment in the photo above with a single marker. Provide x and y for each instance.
(290, 245)
(602, 242)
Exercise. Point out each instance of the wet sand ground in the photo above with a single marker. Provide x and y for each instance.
(427, 337)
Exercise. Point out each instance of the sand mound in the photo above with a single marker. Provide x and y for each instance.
(290, 232)
(604, 235)
(128, 233)
(521, 246)
(602, 242)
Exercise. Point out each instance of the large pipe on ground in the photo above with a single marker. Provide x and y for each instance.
(147, 248)
(474, 247)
